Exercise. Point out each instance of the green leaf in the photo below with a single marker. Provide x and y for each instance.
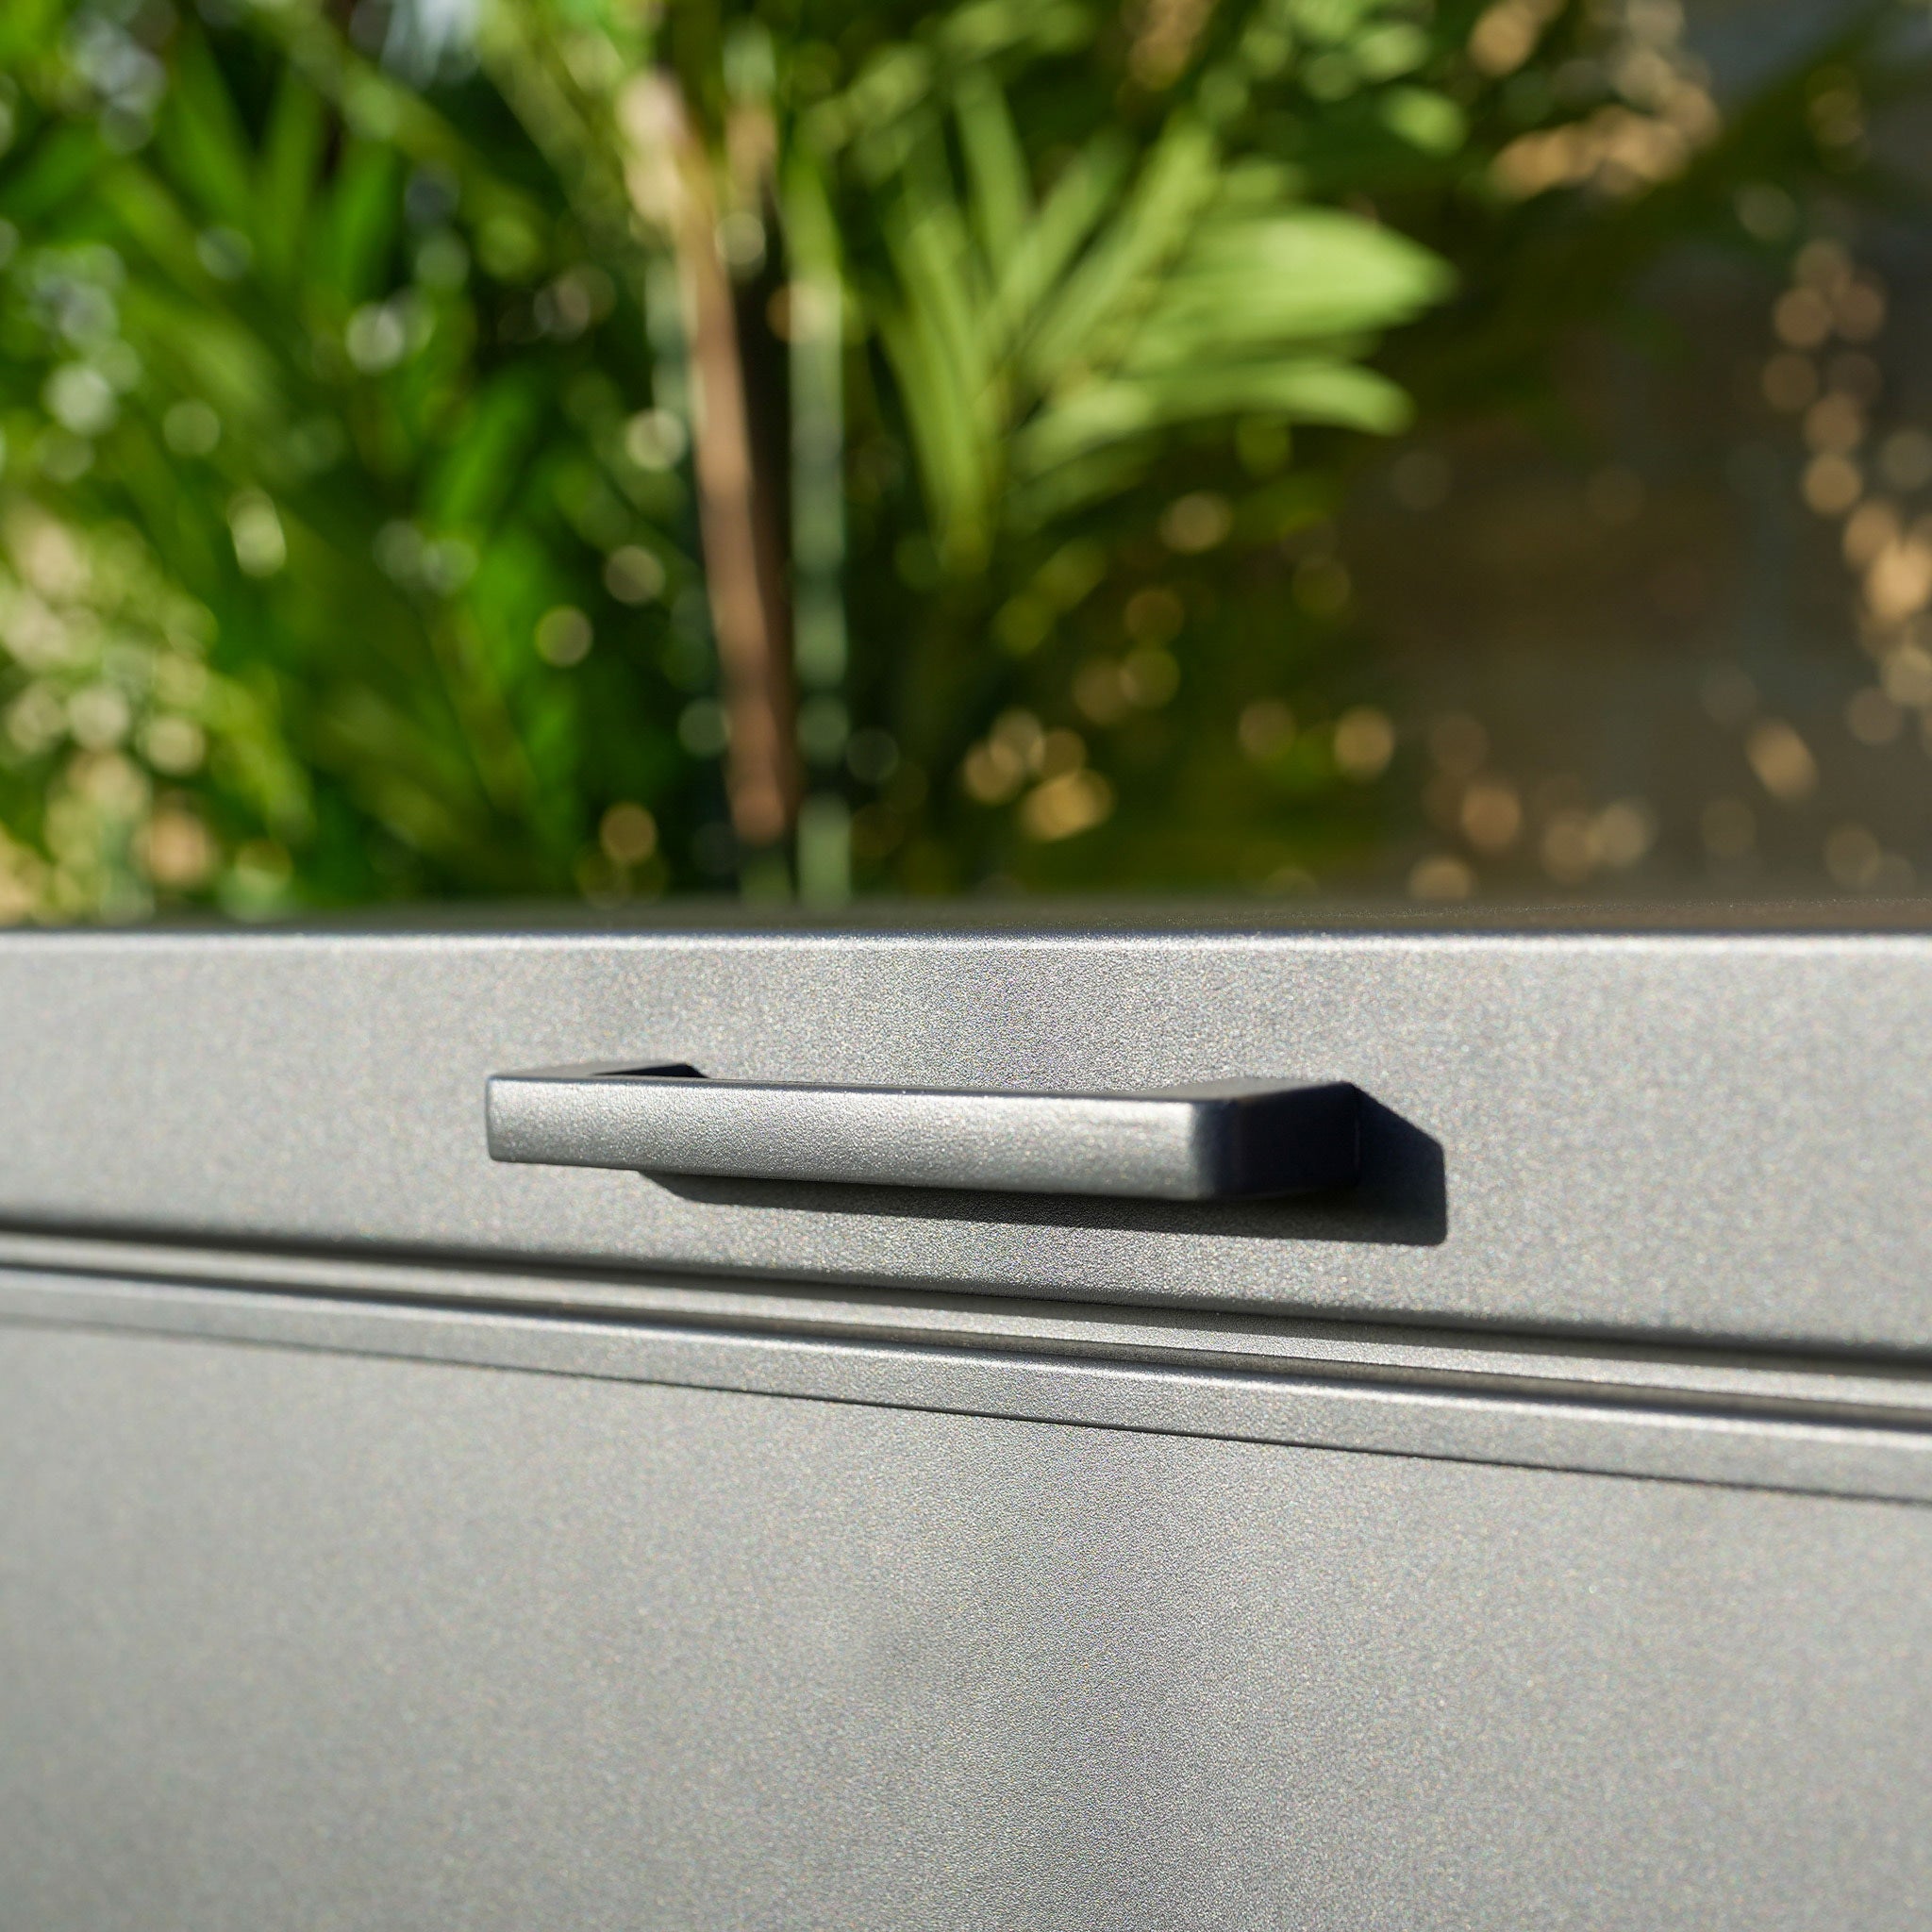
(950, 453)
(995, 164)
(290, 162)
(1121, 410)
(932, 253)
(471, 485)
(362, 222)
(1085, 188)
(1428, 121)
(1177, 181)
(1307, 274)
(62, 167)
(1397, 47)
(206, 144)
(985, 27)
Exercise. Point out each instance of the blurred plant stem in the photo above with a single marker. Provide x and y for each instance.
(669, 180)
(815, 325)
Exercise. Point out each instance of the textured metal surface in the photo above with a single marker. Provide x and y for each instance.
(1687, 1134)
(292, 1640)
(1841, 1435)
(1232, 1140)
(1880, 1390)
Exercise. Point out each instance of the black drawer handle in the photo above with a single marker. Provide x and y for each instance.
(1228, 1140)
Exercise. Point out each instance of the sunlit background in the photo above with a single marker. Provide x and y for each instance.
(549, 449)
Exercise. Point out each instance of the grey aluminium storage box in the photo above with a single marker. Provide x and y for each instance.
(1708, 1134)
(1534, 1531)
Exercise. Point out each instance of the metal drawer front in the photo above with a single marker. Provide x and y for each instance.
(300, 1637)
(1698, 1136)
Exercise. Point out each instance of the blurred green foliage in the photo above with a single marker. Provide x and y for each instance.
(350, 546)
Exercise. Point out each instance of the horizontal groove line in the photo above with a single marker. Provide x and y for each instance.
(1281, 1409)
(1287, 1367)
(1596, 1380)
(575, 1285)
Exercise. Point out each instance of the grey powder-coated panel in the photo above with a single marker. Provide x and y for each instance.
(294, 1640)
(1701, 1134)
(1843, 1435)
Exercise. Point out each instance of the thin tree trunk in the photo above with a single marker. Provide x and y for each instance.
(671, 186)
